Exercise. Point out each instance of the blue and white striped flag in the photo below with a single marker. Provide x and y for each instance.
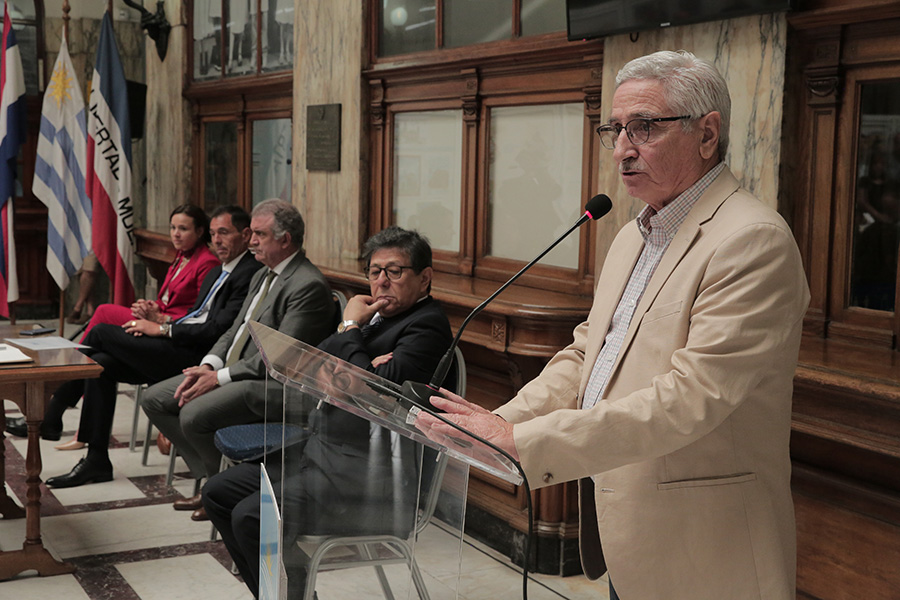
(59, 172)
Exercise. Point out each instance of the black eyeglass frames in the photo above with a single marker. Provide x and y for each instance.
(637, 130)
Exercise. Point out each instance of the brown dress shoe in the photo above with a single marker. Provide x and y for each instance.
(199, 515)
(163, 443)
(192, 503)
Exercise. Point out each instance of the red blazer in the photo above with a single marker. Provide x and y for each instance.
(184, 287)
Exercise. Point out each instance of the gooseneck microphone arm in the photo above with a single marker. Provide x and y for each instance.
(595, 208)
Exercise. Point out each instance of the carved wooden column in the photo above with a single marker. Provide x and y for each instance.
(377, 111)
(823, 85)
(471, 109)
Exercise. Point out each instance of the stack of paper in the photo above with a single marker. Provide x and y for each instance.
(11, 354)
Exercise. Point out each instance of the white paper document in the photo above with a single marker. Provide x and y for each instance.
(11, 354)
(45, 342)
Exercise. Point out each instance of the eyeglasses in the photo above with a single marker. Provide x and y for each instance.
(393, 272)
(637, 130)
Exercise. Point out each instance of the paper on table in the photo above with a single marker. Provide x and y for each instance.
(11, 354)
(45, 342)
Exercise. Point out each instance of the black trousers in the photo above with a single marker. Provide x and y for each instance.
(126, 359)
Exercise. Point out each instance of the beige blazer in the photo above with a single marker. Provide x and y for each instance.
(689, 446)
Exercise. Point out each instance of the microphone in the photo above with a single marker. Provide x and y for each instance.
(419, 393)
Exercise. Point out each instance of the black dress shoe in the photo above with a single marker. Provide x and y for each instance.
(17, 426)
(83, 472)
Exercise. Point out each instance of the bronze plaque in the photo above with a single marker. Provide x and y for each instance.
(323, 137)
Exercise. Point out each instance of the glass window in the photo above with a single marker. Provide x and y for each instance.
(207, 39)
(535, 181)
(277, 34)
(543, 16)
(22, 15)
(220, 164)
(428, 175)
(271, 160)
(475, 21)
(407, 26)
(873, 270)
(240, 39)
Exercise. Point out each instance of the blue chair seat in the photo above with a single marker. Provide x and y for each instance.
(239, 443)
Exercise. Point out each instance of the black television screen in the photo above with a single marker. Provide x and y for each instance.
(597, 18)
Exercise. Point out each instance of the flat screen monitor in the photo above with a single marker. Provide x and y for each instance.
(598, 18)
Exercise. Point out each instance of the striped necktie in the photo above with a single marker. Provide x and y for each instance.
(207, 300)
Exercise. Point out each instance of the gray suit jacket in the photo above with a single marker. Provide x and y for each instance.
(299, 304)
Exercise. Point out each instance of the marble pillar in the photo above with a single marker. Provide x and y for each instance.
(750, 54)
(329, 48)
(168, 126)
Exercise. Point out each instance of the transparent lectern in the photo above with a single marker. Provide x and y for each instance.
(357, 485)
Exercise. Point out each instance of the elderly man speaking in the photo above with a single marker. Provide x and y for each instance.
(672, 405)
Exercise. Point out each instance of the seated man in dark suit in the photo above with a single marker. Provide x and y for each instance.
(228, 386)
(144, 351)
(398, 332)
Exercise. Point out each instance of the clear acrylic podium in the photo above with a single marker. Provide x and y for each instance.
(357, 485)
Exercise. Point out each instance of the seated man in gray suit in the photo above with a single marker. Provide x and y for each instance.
(144, 351)
(229, 385)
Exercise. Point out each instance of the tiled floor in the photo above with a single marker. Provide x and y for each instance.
(127, 543)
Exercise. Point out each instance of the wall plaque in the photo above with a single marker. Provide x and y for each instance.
(323, 137)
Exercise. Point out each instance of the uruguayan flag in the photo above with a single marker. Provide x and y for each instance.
(59, 171)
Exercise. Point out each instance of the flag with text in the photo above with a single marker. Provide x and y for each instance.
(108, 177)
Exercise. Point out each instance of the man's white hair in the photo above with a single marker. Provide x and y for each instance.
(693, 86)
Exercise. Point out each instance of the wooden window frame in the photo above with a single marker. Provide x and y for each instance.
(570, 75)
(244, 109)
(879, 327)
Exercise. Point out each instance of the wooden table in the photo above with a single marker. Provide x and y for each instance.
(29, 385)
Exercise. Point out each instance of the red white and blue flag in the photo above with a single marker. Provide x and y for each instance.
(108, 176)
(12, 136)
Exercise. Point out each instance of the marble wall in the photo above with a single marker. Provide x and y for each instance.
(329, 44)
(750, 53)
(168, 126)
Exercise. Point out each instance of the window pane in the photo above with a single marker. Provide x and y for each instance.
(26, 38)
(220, 165)
(535, 181)
(240, 38)
(207, 39)
(475, 21)
(277, 34)
(873, 272)
(407, 26)
(543, 16)
(271, 160)
(21, 9)
(428, 175)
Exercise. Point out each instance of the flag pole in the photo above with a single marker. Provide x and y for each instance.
(62, 293)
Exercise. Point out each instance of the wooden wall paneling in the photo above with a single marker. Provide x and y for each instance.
(823, 84)
(377, 152)
(471, 109)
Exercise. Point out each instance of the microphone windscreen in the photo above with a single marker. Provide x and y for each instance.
(598, 206)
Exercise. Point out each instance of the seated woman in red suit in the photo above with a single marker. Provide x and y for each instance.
(189, 230)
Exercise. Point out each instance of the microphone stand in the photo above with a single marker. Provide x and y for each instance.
(419, 393)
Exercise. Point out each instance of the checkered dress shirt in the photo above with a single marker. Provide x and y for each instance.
(657, 229)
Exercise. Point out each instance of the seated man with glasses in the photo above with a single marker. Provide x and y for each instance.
(398, 332)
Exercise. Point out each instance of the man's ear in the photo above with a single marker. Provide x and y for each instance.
(427, 274)
(709, 125)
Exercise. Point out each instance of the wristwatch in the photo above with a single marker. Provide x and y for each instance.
(345, 324)
(165, 329)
